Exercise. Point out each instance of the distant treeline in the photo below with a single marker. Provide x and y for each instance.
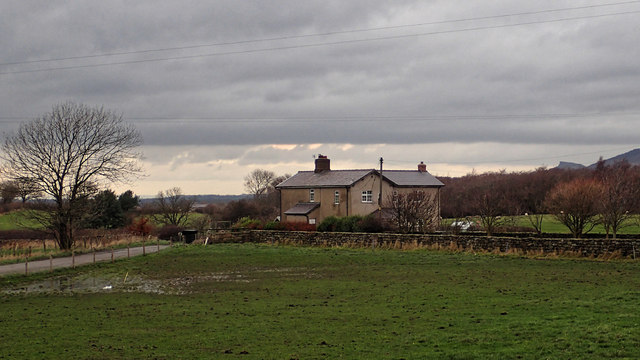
(208, 199)
(517, 193)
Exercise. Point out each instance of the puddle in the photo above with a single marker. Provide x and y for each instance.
(67, 285)
(171, 286)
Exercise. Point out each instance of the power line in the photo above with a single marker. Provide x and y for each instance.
(321, 44)
(291, 37)
(349, 118)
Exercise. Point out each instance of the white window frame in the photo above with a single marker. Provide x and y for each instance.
(312, 195)
(367, 196)
(336, 197)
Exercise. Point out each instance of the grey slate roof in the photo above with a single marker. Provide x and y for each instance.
(330, 178)
(302, 208)
(346, 178)
(411, 178)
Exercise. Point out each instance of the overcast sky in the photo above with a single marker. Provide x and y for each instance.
(223, 87)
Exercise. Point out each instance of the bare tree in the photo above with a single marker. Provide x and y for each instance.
(414, 211)
(27, 189)
(172, 207)
(536, 220)
(8, 191)
(66, 154)
(489, 201)
(258, 182)
(575, 204)
(621, 188)
(487, 206)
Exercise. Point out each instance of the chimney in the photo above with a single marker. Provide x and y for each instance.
(422, 167)
(322, 163)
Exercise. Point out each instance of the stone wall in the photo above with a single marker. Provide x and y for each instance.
(580, 247)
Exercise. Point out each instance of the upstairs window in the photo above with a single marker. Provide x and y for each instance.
(367, 196)
(312, 195)
(336, 197)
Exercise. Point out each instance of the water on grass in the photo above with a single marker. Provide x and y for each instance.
(88, 283)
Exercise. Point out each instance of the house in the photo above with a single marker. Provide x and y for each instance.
(311, 196)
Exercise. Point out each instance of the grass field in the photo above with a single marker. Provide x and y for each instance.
(551, 225)
(268, 302)
(14, 219)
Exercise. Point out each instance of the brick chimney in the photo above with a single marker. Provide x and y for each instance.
(422, 167)
(322, 163)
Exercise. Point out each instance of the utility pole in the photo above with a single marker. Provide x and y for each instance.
(380, 194)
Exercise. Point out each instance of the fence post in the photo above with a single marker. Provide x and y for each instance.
(128, 251)
(144, 249)
(50, 263)
(112, 255)
(93, 250)
(73, 258)
(26, 266)
(158, 245)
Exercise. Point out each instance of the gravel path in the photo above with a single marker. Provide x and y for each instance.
(84, 259)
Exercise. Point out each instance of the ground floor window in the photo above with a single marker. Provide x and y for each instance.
(367, 196)
(336, 198)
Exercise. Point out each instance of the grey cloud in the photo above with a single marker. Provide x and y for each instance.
(586, 66)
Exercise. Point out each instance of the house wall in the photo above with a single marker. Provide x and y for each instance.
(324, 196)
(350, 199)
(369, 182)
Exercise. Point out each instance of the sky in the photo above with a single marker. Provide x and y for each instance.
(220, 88)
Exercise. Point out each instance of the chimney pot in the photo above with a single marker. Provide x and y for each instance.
(422, 167)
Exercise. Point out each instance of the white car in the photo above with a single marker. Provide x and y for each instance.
(463, 225)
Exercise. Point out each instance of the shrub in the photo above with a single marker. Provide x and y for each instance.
(298, 226)
(328, 224)
(248, 223)
(353, 223)
(23, 234)
(274, 225)
(140, 226)
(169, 232)
(370, 224)
(348, 223)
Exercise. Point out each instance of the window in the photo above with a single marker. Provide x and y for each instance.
(336, 197)
(312, 221)
(367, 196)
(312, 195)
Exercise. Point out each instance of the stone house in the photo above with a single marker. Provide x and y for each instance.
(311, 196)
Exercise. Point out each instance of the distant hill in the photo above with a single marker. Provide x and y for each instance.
(569, 165)
(632, 157)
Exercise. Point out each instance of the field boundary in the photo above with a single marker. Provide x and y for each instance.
(628, 248)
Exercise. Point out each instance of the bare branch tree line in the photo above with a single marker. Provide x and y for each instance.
(580, 199)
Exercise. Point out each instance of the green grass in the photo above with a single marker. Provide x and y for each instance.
(551, 225)
(268, 302)
(13, 219)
